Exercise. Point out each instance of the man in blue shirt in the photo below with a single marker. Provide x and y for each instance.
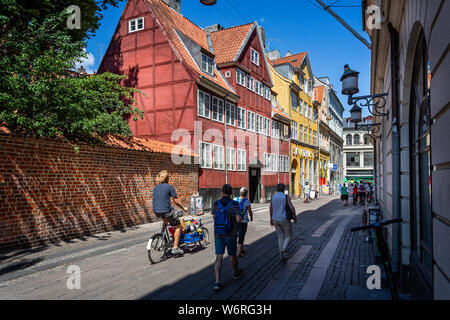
(163, 209)
(228, 240)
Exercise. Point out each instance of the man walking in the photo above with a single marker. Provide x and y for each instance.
(227, 215)
(279, 219)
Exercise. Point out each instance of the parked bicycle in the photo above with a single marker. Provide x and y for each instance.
(160, 244)
(383, 250)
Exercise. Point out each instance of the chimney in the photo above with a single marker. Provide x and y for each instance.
(273, 55)
(174, 4)
(214, 27)
(263, 36)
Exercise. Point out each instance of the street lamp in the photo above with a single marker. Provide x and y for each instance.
(374, 103)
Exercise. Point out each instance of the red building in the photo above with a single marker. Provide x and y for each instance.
(207, 89)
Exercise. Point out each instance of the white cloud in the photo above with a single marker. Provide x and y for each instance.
(262, 20)
(88, 63)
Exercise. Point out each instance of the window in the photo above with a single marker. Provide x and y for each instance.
(259, 124)
(286, 163)
(275, 129)
(204, 104)
(294, 101)
(205, 155)
(280, 164)
(301, 108)
(267, 159)
(267, 127)
(314, 137)
(255, 56)
(368, 159)
(251, 121)
(250, 83)
(241, 118)
(241, 160)
(240, 77)
(231, 159)
(367, 139)
(294, 133)
(301, 133)
(266, 92)
(274, 165)
(217, 109)
(218, 156)
(356, 139)
(310, 113)
(348, 140)
(207, 64)
(231, 114)
(136, 25)
(315, 114)
(353, 159)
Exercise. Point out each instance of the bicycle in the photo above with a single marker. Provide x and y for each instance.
(160, 244)
(383, 250)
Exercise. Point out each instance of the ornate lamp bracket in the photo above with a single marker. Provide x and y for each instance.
(375, 103)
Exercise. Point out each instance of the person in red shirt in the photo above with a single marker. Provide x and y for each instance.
(355, 193)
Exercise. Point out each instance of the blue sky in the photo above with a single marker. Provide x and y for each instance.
(291, 25)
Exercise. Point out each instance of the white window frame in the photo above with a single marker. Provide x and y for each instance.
(207, 64)
(251, 121)
(205, 108)
(207, 162)
(259, 88)
(231, 159)
(267, 126)
(274, 163)
(267, 93)
(220, 156)
(294, 130)
(250, 83)
(230, 114)
(254, 56)
(217, 115)
(301, 132)
(259, 124)
(241, 77)
(286, 163)
(241, 160)
(136, 23)
(241, 121)
(267, 159)
(275, 129)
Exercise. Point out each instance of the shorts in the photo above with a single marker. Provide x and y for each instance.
(172, 216)
(222, 242)
(344, 197)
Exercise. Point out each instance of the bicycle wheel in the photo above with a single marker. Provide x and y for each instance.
(205, 241)
(157, 248)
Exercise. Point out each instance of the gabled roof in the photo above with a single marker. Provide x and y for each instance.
(228, 42)
(170, 21)
(295, 60)
(277, 110)
(318, 93)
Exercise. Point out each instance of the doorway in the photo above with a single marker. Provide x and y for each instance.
(254, 185)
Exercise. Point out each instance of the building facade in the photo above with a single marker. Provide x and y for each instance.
(294, 84)
(410, 62)
(206, 89)
(358, 153)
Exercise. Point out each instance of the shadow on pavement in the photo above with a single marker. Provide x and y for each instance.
(19, 266)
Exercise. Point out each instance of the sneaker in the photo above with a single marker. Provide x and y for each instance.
(218, 286)
(238, 274)
(177, 251)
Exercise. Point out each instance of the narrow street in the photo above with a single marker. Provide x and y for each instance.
(327, 261)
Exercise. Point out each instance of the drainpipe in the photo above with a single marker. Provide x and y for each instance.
(226, 137)
(396, 228)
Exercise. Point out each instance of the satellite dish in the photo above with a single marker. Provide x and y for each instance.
(208, 2)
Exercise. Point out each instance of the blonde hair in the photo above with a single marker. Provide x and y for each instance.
(162, 177)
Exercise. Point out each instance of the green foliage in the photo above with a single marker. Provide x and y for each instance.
(41, 96)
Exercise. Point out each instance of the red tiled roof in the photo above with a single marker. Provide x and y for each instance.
(142, 144)
(295, 60)
(318, 93)
(227, 42)
(279, 111)
(171, 20)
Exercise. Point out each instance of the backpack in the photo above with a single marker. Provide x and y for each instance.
(223, 222)
(241, 206)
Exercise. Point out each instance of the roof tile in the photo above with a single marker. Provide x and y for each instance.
(227, 42)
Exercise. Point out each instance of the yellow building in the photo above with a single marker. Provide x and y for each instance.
(294, 83)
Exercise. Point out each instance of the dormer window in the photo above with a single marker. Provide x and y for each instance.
(255, 56)
(136, 25)
(207, 64)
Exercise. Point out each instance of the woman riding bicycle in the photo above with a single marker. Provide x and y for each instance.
(162, 194)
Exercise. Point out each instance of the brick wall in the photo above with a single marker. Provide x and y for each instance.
(49, 193)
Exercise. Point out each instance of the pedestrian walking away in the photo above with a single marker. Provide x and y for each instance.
(344, 194)
(227, 215)
(246, 215)
(162, 194)
(279, 219)
(307, 192)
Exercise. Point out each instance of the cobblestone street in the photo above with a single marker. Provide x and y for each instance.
(325, 260)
